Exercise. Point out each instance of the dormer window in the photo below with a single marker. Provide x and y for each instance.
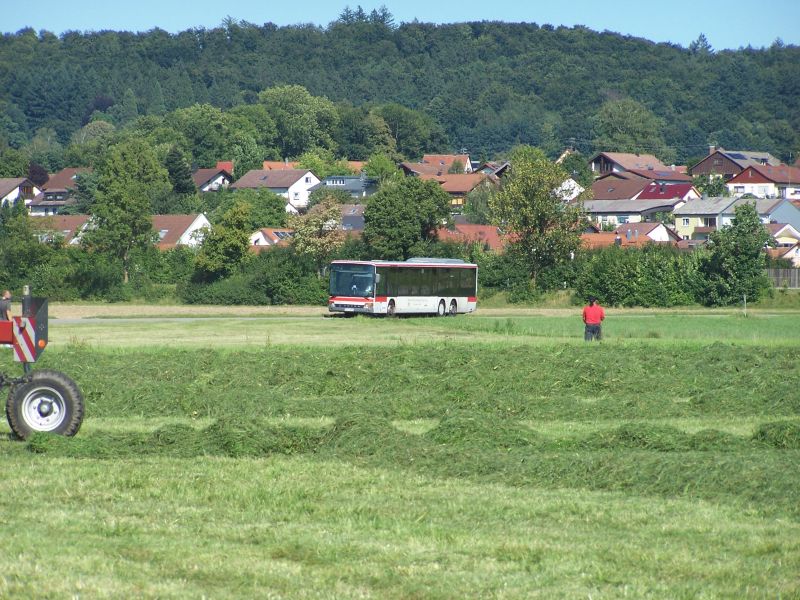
(162, 233)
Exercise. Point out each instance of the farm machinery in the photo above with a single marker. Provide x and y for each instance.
(40, 400)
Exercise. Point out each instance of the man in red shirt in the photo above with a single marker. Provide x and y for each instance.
(593, 316)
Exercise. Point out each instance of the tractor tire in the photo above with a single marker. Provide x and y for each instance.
(50, 402)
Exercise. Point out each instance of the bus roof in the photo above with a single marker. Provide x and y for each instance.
(411, 262)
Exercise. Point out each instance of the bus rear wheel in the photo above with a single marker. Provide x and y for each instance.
(440, 311)
(453, 308)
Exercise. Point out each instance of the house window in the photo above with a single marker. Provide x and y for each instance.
(162, 233)
(308, 179)
(623, 219)
(717, 162)
(709, 221)
(297, 195)
(738, 189)
(685, 222)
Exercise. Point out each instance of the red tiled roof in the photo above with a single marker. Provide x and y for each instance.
(774, 228)
(280, 165)
(665, 174)
(779, 174)
(666, 191)
(66, 225)
(618, 189)
(484, 234)
(264, 178)
(603, 239)
(271, 233)
(459, 183)
(630, 161)
(8, 184)
(64, 179)
(446, 160)
(203, 176)
(225, 164)
(644, 230)
(174, 227)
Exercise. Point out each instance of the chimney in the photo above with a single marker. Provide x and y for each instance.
(711, 150)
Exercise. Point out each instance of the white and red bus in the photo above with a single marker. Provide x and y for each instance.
(442, 286)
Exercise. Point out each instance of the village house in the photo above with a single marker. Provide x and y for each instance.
(57, 192)
(792, 254)
(653, 232)
(458, 185)
(767, 181)
(437, 164)
(610, 213)
(770, 210)
(172, 230)
(729, 163)
(211, 180)
(353, 217)
(292, 184)
(180, 230)
(784, 235)
(271, 236)
(358, 186)
(696, 219)
(13, 189)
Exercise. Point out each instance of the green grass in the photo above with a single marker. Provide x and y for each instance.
(481, 456)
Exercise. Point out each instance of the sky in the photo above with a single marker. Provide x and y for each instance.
(727, 24)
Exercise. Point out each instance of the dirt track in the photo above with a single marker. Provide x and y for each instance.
(83, 311)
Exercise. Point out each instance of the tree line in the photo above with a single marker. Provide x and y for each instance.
(482, 86)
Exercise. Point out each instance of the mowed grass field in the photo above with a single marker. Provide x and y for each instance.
(283, 454)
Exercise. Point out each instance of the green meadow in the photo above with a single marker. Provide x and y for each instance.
(491, 455)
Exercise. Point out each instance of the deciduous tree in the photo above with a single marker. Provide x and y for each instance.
(226, 247)
(528, 208)
(403, 214)
(128, 181)
(735, 264)
(318, 233)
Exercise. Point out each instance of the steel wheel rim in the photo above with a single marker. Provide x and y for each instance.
(44, 409)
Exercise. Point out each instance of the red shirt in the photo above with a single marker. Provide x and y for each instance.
(593, 315)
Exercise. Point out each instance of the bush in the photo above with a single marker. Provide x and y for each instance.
(655, 275)
(276, 276)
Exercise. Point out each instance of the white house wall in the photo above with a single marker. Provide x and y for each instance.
(191, 237)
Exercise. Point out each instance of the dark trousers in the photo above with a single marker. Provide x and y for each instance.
(592, 332)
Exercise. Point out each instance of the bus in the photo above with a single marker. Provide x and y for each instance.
(442, 286)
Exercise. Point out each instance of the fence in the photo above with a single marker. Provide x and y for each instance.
(789, 278)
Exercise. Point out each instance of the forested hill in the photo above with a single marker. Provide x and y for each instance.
(490, 85)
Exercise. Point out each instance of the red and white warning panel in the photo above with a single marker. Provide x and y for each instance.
(23, 339)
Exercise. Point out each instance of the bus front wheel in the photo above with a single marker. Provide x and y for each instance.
(390, 309)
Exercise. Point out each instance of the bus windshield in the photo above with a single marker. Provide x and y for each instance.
(352, 280)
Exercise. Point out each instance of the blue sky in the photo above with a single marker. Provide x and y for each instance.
(729, 24)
